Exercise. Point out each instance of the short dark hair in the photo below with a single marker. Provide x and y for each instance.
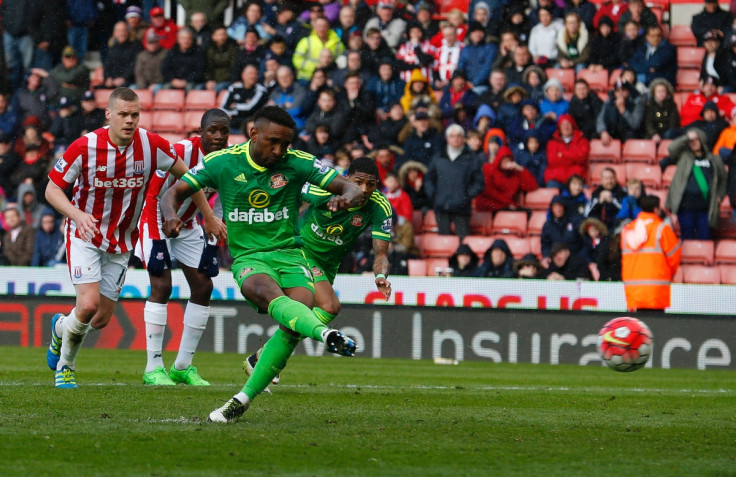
(276, 115)
(364, 164)
(214, 114)
(648, 203)
(123, 94)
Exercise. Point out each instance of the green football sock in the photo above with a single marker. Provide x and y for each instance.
(297, 317)
(323, 316)
(272, 360)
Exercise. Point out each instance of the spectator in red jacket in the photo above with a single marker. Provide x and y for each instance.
(165, 28)
(613, 10)
(399, 200)
(708, 91)
(567, 153)
(504, 178)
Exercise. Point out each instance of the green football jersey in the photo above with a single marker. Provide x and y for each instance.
(331, 235)
(260, 205)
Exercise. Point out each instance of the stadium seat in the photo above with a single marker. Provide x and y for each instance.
(146, 121)
(430, 222)
(168, 121)
(603, 95)
(690, 56)
(661, 193)
(701, 274)
(200, 100)
(728, 274)
(595, 173)
(601, 153)
(659, 14)
(680, 98)
(649, 175)
(668, 174)
(510, 222)
(687, 80)
(479, 243)
(173, 138)
(662, 151)
(682, 35)
(725, 252)
(697, 252)
(221, 97)
(169, 99)
(565, 75)
(519, 246)
(480, 222)
(539, 199)
(536, 222)
(96, 77)
(442, 246)
(417, 220)
(102, 96)
(598, 80)
(237, 139)
(678, 278)
(535, 245)
(417, 267)
(639, 150)
(435, 266)
(145, 96)
(192, 121)
(443, 7)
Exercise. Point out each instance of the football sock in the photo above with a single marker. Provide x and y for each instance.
(296, 316)
(323, 316)
(59, 328)
(271, 361)
(74, 333)
(154, 314)
(195, 321)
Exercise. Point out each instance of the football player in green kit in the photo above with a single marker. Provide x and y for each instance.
(328, 236)
(260, 183)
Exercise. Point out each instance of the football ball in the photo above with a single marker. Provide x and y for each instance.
(625, 344)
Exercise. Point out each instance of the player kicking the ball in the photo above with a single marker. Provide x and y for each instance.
(111, 169)
(156, 251)
(260, 183)
(328, 236)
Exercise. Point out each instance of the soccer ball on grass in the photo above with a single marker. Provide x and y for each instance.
(625, 344)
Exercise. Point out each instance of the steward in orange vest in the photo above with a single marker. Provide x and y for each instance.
(650, 255)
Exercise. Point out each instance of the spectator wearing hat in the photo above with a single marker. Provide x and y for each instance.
(711, 123)
(596, 246)
(464, 262)
(416, 52)
(498, 261)
(411, 177)
(119, 67)
(484, 119)
(388, 23)
(67, 125)
(573, 44)
(534, 79)
(511, 107)
(656, 58)
(425, 20)
(585, 106)
(612, 9)
(136, 25)
(148, 63)
(447, 56)
(712, 17)
(164, 28)
(566, 264)
(457, 92)
(621, 116)
(423, 141)
(568, 153)
(308, 50)
(418, 92)
(521, 59)
(561, 226)
(18, 239)
(543, 38)
(529, 120)
(9, 161)
(554, 104)
(516, 22)
(604, 47)
(504, 180)
(184, 64)
(80, 15)
(452, 181)
(387, 88)
(661, 119)
(715, 59)
(69, 78)
(528, 267)
(49, 34)
(477, 57)
(92, 116)
(533, 156)
(699, 184)
(482, 14)
(251, 17)
(693, 106)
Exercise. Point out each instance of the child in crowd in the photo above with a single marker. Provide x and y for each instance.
(630, 204)
(575, 198)
(533, 157)
(554, 104)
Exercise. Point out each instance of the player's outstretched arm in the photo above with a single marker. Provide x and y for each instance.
(85, 222)
(346, 194)
(381, 266)
(169, 204)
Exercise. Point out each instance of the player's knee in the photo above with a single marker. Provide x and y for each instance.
(86, 308)
(100, 321)
(332, 307)
(161, 292)
(202, 291)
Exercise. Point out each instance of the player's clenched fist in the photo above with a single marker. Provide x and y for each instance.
(172, 227)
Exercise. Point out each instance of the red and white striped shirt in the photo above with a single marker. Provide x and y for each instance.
(446, 60)
(407, 54)
(110, 182)
(191, 152)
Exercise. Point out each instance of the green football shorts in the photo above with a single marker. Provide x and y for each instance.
(319, 271)
(288, 268)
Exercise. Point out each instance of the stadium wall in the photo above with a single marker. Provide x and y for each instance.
(410, 332)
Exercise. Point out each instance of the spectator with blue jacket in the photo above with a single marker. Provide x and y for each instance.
(477, 57)
(49, 243)
(655, 58)
(386, 87)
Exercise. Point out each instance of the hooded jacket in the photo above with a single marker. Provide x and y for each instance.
(565, 159)
(585, 112)
(471, 270)
(684, 158)
(32, 212)
(580, 48)
(409, 98)
(501, 186)
(650, 255)
(660, 118)
(505, 270)
(564, 229)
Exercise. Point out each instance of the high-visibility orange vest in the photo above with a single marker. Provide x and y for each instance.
(650, 255)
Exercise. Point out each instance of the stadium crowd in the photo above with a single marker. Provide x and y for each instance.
(468, 113)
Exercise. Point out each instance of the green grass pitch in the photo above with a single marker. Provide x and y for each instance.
(363, 417)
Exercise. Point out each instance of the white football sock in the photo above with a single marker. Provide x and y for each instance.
(195, 321)
(74, 334)
(59, 328)
(154, 314)
(242, 397)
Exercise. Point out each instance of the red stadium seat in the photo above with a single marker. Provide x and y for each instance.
(221, 97)
(650, 176)
(687, 80)
(535, 245)
(430, 222)
(701, 274)
(442, 246)
(479, 243)
(168, 121)
(102, 96)
(697, 252)
(613, 77)
(565, 75)
(595, 173)
(146, 121)
(417, 267)
(690, 56)
(539, 199)
(668, 174)
(510, 222)
(536, 222)
(639, 150)
(725, 252)
(173, 138)
(728, 274)
(601, 153)
(662, 151)
(598, 80)
(437, 266)
(443, 7)
(481, 222)
(682, 35)
(680, 98)
(169, 99)
(97, 77)
(145, 96)
(192, 121)
(678, 278)
(200, 100)
(661, 193)
(519, 246)
(237, 139)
